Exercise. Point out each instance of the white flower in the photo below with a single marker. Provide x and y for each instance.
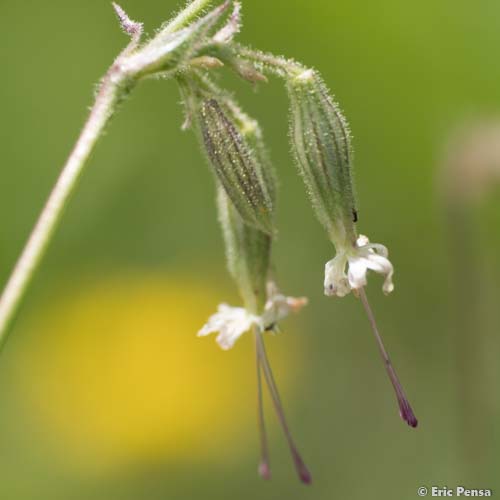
(359, 260)
(232, 322)
(278, 307)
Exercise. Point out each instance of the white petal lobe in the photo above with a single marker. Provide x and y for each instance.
(230, 322)
(358, 260)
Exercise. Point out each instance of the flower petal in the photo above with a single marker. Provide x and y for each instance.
(336, 282)
(279, 307)
(370, 256)
(230, 322)
(357, 272)
(382, 265)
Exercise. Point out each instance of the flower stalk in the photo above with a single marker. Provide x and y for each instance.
(186, 16)
(113, 86)
(166, 53)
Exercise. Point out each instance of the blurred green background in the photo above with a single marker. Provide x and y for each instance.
(105, 393)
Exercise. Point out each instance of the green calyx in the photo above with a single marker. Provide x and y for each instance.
(233, 145)
(248, 253)
(321, 144)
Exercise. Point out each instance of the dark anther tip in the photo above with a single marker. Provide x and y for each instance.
(306, 477)
(265, 471)
(408, 416)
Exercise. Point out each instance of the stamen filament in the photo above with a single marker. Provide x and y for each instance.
(300, 466)
(264, 466)
(405, 409)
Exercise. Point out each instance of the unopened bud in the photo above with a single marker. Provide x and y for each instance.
(247, 71)
(237, 165)
(206, 62)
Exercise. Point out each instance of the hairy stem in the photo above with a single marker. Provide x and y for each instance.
(191, 12)
(105, 104)
(278, 65)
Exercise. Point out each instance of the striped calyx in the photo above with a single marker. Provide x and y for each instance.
(248, 253)
(321, 144)
(237, 164)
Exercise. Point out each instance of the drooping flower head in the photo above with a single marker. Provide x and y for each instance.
(321, 142)
(246, 191)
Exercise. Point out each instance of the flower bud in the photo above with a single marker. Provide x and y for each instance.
(233, 145)
(237, 167)
(321, 144)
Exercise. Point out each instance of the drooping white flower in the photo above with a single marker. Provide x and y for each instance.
(321, 142)
(232, 322)
(358, 260)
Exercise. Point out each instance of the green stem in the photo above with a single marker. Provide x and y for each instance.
(191, 12)
(123, 74)
(29, 261)
(277, 65)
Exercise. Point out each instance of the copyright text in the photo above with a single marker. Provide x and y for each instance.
(459, 491)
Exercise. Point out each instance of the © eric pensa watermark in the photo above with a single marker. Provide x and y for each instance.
(459, 491)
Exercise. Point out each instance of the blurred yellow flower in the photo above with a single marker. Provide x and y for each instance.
(115, 374)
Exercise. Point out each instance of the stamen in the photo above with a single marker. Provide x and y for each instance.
(264, 467)
(405, 409)
(300, 466)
